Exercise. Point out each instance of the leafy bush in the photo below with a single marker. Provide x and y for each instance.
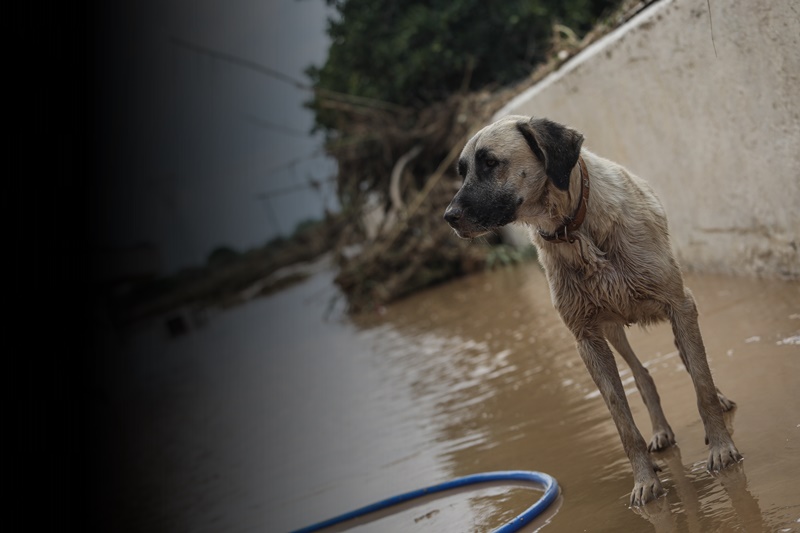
(415, 52)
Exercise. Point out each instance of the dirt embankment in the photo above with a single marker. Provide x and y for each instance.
(226, 279)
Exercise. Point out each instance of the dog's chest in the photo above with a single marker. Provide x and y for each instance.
(611, 292)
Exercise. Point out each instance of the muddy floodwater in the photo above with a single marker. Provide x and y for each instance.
(284, 411)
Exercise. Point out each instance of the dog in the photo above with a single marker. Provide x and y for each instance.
(602, 238)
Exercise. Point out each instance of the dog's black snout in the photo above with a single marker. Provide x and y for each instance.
(453, 214)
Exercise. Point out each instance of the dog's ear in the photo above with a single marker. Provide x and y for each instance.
(557, 147)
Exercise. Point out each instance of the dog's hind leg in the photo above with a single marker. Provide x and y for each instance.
(689, 342)
(663, 436)
(599, 360)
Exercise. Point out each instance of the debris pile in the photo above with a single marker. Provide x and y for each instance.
(398, 181)
(397, 175)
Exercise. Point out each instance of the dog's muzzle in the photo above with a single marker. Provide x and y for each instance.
(461, 223)
(453, 214)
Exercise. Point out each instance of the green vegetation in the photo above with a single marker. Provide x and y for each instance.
(415, 52)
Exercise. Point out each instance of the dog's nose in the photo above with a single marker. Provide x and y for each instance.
(453, 214)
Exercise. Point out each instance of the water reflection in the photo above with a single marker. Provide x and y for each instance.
(280, 413)
(695, 502)
(507, 390)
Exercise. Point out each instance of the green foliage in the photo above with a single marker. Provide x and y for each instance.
(415, 52)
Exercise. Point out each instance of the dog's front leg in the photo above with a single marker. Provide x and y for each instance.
(689, 342)
(602, 367)
(663, 436)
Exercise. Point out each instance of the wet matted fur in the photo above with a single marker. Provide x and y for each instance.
(615, 270)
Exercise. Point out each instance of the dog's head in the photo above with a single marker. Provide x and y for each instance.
(508, 168)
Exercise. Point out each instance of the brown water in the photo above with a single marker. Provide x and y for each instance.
(283, 412)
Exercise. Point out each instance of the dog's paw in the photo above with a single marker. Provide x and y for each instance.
(726, 404)
(646, 491)
(662, 439)
(723, 456)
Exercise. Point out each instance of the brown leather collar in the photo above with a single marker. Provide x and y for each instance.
(571, 224)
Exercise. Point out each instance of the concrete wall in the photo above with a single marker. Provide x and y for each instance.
(718, 135)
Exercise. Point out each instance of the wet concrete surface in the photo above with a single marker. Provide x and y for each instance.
(284, 411)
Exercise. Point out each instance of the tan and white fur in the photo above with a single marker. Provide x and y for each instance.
(619, 270)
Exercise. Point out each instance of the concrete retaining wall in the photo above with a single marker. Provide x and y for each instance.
(718, 135)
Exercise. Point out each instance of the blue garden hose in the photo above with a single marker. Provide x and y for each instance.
(550, 493)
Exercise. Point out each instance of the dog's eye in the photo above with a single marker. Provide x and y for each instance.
(491, 162)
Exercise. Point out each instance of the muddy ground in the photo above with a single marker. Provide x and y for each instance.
(284, 411)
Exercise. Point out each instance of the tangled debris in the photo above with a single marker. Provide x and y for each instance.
(401, 178)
